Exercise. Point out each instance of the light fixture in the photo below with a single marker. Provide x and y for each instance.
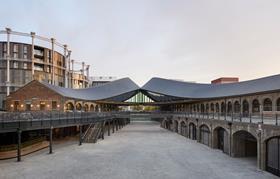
(48, 105)
(31, 105)
(12, 105)
(58, 106)
(38, 105)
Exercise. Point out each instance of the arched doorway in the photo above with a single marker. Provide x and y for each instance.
(91, 107)
(69, 106)
(223, 109)
(183, 128)
(221, 139)
(245, 108)
(217, 108)
(236, 107)
(267, 105)
(86, 107)
(229, 108)
(202, 108)
(244, 145)
(79, 107)
(192, 131)
(204, 134)
(278, 104)
(255, 106)
(273, 155)
(175, 127)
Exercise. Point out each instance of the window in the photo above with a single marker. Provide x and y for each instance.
(42, 105)
(15, 51)
(25, 66)
(54, 105)
(25, 51)
(15, 64)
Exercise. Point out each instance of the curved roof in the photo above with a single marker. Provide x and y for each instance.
(186, 90)
(118, 90)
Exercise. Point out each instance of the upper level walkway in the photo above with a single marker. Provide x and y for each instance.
(12, 121)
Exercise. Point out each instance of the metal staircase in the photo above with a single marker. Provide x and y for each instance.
(93, 133)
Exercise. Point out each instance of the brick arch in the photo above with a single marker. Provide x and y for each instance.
(252, 131)
(67, 103)
(176, 124)
(79, 105)
(92, 107)
(205, 124)
(275, 134)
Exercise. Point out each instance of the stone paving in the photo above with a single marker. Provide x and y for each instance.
(141, 150)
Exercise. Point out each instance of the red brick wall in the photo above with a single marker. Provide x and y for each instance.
(35, 93)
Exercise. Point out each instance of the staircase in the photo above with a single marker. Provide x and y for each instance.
(93, 133)
(140, 117)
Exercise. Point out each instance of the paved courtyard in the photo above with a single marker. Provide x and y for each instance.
(139, 150)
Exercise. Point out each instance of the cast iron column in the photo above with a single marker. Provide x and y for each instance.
(51, 138)
(19, 145)
(80, 135)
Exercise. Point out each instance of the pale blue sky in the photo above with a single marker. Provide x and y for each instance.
(194, 40)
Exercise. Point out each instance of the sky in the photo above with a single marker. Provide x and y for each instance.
(191, 40)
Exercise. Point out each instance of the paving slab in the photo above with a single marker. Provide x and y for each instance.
(141, 150)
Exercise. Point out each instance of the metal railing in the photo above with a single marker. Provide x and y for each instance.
(45, 119)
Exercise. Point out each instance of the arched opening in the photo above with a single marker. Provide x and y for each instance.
(267, 105)
(229, 108)
(198, 108)
(244, 145)
(183, 130)
(245, 108)
(204, 134)
(202, 108)
(212, 107)
(86, 107)
(97, 108)
(91, 107)
(255, 106)
(192, 131)
(69, 106)
(217, 108)
(175, 127)
(273, 155)
(278, 104)
(220, 140)
(169, 125)
(223, 108)
(207, 108)
(236, 107)
(79, 107)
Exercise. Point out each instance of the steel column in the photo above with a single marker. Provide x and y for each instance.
(51, 141)
(109, 126)
(80, 134)
(19, 145)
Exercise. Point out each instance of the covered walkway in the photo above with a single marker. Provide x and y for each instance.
(139, 150)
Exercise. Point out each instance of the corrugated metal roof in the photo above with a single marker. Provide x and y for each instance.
(202, 91)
